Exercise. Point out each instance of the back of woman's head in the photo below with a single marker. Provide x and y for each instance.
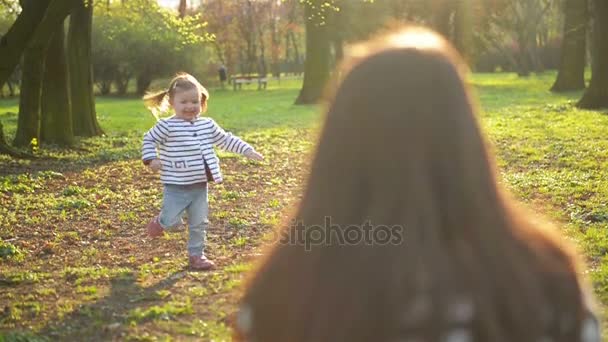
(401, 147)
(403, 126)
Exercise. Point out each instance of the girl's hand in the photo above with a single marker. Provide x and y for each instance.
(155, 165)
(252, 154)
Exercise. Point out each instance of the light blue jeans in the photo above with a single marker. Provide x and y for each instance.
(193, 200)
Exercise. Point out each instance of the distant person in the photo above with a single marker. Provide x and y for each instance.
(401, 148)
(223, 75)
(186, 160)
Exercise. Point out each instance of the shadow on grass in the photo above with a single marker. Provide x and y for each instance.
(11, 166)
(107, 318)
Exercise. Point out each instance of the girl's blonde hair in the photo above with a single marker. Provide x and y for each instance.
(159, 101)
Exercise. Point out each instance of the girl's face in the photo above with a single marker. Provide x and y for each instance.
(186, 104)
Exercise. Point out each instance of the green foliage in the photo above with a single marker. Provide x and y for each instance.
(319, 10)
(9, 9)
(105, 280)
(164, 312)
(17, 336)
(10, 251)
(141, 38)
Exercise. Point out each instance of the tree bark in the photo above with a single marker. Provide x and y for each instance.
(15, 41)
(316, 67)
(122, 85)
(35, 22)
(275, 42)
(262, 67)
(5, 148)
(84, 119)
(28, 123)
(441, 18)
(182, 8)
(571, 74)
(296, 53)
(34, 40)
(56, 107)
(596, 95)
(143, 83)
(463, 29)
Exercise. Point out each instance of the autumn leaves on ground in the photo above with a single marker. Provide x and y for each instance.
(75, 258)
(75, 263)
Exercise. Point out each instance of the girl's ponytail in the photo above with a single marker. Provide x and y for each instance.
(156, 102)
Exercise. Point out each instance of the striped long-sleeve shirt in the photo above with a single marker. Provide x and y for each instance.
(186, 147)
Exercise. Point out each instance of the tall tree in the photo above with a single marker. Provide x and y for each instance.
(442, 13)
(596, 95)
(275, 40)
(571, 75)
(522, 20)
(56, 109)
(463, 28)
(316, 67)
(182, 8)
(15, 41)
(28, 124)
(292, 52)
(84, 119)
(30, 102)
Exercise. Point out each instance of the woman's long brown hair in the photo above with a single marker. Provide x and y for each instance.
(401, 146)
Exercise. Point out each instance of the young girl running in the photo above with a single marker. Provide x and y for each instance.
(186, 160)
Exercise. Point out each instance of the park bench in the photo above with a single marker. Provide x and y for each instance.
(238, 81)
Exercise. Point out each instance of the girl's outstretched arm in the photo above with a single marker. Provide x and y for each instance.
(231, 143)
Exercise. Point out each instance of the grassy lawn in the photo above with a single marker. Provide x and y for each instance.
(75, 263)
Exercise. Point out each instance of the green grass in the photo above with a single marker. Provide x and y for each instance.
(72, 251)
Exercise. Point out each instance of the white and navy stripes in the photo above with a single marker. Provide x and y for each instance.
(184, 147)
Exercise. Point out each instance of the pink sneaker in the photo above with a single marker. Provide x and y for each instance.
(200, 263)
(155, 229)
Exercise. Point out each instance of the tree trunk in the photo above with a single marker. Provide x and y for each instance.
(183, 7)
(122, 85)
(463, 28)
(56, 108)
(5, 148)
(28, 124)
(297, 57)
(596, 95)
(143, 83)
(571, 74)
(441, 18)
(104, 87)
(15, 41)
(537, 64)
(35, 23)
(55, 11)
(338, 44)
(275, 49)
(524, 63)
(288, 61)
(262, 67)
(84, 119)
(316, 67)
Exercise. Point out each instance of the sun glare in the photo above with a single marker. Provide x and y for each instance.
(415, 39)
